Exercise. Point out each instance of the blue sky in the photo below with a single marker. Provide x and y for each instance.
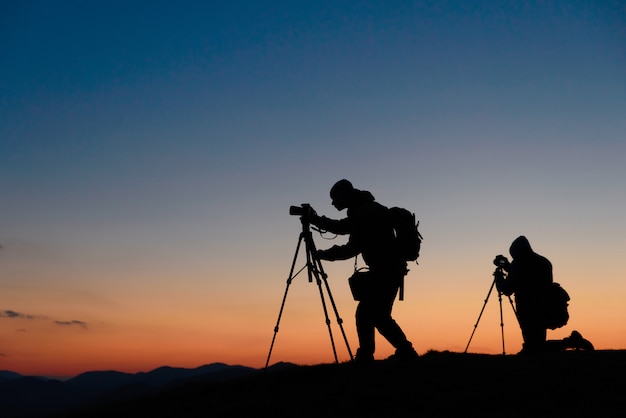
(158, 145)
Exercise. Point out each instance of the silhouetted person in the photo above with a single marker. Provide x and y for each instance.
(530, 279)
(372, 236)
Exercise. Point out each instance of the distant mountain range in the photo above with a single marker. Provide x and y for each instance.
(28, 396)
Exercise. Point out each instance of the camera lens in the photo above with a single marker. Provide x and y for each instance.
(295, 210)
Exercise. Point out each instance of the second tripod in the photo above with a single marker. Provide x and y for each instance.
(314, 271)
(498, 274)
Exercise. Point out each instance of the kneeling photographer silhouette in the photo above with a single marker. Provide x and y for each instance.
(529, 278)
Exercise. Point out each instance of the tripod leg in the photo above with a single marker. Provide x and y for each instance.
(282, 305)
(321, 276)
(339, 319)
(501, 322)
(327, 320)
(481, 314)
(513, 307)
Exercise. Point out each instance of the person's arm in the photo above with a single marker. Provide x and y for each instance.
(509, 285)
(338, 252)
(335, 226)
(504, 285)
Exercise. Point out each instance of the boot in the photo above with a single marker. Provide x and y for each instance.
(363, 357)
(404, 353)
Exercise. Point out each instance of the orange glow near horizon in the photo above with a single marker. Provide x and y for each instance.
(240, 332)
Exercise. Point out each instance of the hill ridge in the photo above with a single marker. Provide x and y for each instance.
(573, 384)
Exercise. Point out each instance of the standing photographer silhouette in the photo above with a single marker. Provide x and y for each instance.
(371, 235)
(530, 279)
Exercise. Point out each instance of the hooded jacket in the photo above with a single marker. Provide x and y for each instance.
(529, 276)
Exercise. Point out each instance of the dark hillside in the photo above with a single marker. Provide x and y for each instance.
(570, 384)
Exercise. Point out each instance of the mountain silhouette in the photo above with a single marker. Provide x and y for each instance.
(27, 396)
(7, 375)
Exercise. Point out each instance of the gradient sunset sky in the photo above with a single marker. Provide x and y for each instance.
(150, 151)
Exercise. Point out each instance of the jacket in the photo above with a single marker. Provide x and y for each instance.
(371, 234)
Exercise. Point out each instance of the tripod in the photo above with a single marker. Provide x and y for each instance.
(314, 269)
(498, 274)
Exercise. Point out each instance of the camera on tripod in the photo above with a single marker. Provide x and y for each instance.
(314, 271)
(501, 261)
(502, 264)
(305, 211)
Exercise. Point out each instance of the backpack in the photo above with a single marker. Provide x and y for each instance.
(407, 236)
(556, 313)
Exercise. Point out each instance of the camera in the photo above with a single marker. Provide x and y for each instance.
(305, 210)
(500, 260)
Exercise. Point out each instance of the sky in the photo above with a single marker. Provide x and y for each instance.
(150, 151)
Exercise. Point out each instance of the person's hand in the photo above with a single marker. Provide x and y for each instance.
(310, 216)
(325, 255)
(321, 254)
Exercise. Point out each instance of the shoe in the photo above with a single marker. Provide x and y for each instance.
(404, 354)
(362, 358)
(577, 342)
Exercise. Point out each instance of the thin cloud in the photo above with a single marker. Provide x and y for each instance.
(12, 314)
(19, 315)
(72, 323)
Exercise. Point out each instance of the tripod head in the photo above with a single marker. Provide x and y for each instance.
(501, 263)
(498, 273)
(306, 213)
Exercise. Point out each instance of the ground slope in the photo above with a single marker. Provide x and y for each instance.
(569, 384)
